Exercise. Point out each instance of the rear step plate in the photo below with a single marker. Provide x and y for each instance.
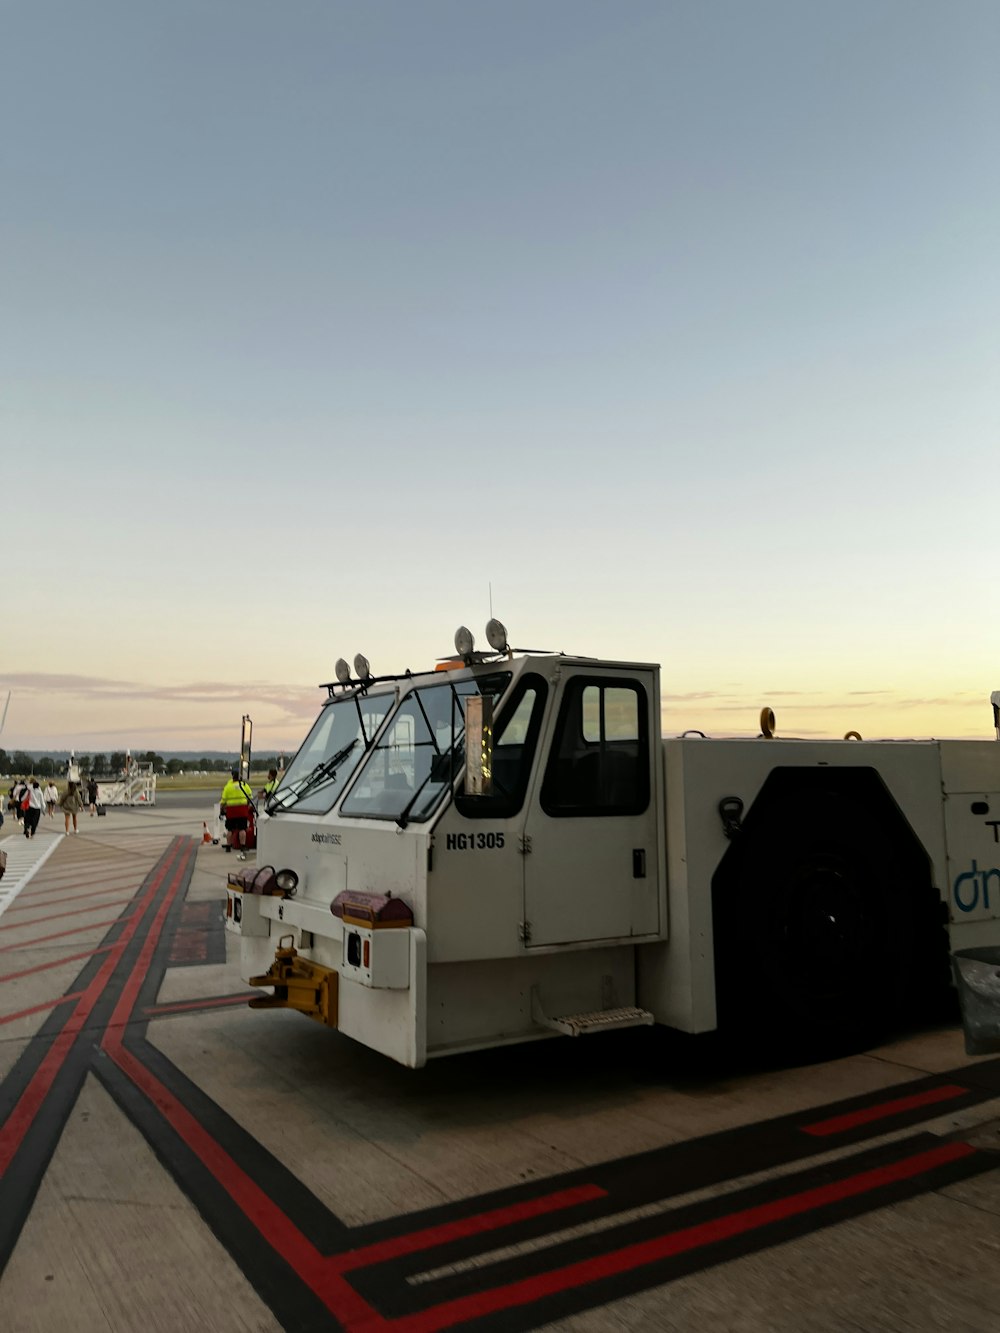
(600, 1020)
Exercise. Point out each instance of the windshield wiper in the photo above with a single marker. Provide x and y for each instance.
(321, 776)
(452, 760)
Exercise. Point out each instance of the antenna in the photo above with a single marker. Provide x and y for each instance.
(5, 707)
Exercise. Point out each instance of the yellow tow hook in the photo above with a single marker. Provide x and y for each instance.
(298, 984)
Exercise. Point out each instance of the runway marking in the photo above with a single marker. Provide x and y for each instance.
(40, 1008)
(675, 1243)
(412, 1242)
(61, 934)
(24, 860)
(523, 1255)
(17, 1123)
(130, 878)
(61, 916)
(53, 962)
(35, 903)
(200, 936)
(838, 1124)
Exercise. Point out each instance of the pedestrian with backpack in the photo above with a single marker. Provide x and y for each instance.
(71, 805)
(33, 803)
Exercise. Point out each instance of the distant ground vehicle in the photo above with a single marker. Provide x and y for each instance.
(507, 848)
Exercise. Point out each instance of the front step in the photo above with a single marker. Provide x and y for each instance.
(600, 1020)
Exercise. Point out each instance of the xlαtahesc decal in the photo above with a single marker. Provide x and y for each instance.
(329, 839)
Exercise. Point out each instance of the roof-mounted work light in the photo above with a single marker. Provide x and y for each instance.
(343, 671)
(362, 666)
(496, 636)
(464, 642)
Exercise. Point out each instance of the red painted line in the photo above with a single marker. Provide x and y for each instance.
(280, 1233)
(57, 916)
(54, 962)
(34, 905)
(37, 1008)
(839, 1124)
(66, 883)
(414, 1241)
(130, 990)
(323, 1275)
(673, 1243)
(182, 1007)
(61, 877)
(60, 934)
(275, 1227)
(32, 1099)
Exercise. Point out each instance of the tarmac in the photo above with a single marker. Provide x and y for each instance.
(171, 1159)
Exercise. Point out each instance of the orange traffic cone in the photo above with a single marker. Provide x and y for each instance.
(206, 836)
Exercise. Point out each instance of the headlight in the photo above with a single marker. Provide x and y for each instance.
(287, 881)
(496, 634)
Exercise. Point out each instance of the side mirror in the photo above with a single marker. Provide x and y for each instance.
(245, 741)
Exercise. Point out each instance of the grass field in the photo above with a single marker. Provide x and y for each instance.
(205, 781)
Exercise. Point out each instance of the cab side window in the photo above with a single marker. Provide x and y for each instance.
(515, 739)
(599, 763)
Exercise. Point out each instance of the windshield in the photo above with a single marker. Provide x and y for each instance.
(420, 752)
(330, 754)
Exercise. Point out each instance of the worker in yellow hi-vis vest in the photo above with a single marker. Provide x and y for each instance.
(235, 806)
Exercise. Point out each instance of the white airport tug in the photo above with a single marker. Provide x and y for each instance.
(505, 848)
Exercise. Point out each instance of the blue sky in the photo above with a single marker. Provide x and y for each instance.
(674, 322)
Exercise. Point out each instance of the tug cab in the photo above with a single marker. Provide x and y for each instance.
(504, 848)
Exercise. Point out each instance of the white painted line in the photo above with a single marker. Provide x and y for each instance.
(24, 857)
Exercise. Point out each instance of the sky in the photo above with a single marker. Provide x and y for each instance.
(667, 330)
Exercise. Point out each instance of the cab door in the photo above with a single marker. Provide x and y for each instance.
(591, 862)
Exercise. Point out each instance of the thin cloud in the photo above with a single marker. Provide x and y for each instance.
(696, 696)
(44, 682)
(293, 702)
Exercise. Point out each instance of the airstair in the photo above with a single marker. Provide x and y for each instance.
(136, 787)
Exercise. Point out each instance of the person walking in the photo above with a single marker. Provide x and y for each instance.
(17, 794)
(71, 805)
(234, 806)
(36, 804)
(51, 794)
(92, 795)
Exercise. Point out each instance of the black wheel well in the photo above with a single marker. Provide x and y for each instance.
(802, 822)
(790, 794)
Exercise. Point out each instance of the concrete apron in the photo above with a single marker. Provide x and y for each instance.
(171, 1159)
